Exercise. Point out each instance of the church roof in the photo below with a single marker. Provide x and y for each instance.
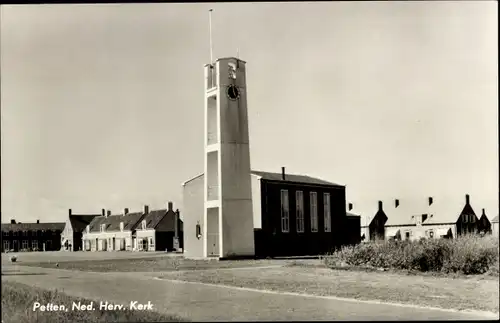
(278, 177)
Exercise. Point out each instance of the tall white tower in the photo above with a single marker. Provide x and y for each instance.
(228, 216)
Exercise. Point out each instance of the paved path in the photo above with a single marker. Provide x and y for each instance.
(200, 302)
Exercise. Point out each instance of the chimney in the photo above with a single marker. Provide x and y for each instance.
(467, 198)
(170, 206)
(38, 221)
(103, 212)
(283, 177)
(146, 209)
(483, 212)
(350, 206)
(69, 212)
(396, 203)
(380, 205)
(108, 213)
(13, 221)
(125, 211)
(430, 200)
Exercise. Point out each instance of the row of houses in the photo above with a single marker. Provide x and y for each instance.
(146, 230)
(428, 218)
(17, 236)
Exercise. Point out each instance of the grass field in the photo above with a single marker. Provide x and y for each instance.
(18, 300)
(152, 264)
(459, 293)
(434, 289)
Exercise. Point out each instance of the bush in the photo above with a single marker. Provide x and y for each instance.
(466, 255)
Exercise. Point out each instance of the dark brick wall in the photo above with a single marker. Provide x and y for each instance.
(270, 241)
(165, 240)
(52, 240)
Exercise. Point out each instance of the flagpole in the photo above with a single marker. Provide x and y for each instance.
(210, 30)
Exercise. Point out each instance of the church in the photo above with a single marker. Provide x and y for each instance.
(232, 211)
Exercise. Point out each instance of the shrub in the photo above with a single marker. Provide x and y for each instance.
(466, 255)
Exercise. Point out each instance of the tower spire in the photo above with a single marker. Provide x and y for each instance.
(210, 31)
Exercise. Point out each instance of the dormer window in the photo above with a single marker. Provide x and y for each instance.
(121, 226)
(88, 228)
(143, 224)
(103, 227)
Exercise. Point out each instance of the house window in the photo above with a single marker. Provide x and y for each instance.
(327, 212)
(6, 245)
(103, 227)
(431, 234)
(313, 203)
(151, 244)
(299, 210)
(407, 235)
(34, 244)
(14, 234)
(5, 233)
(143, 224)
(25, 244)
(25, 233)
(121, 226)
(285, 214)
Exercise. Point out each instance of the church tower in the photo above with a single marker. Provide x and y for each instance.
(228, 214)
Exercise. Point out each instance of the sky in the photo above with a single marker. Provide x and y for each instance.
(102, 105)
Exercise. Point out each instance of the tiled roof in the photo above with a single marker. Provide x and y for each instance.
(495, 219)
(112, 222)
(79, 222)
(405, 212)
(154, 217)
(367, 211)
(278, 177)
(490, 207)
(32, 226)
(445, 210)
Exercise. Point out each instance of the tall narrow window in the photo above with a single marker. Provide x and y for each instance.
(327, 212)
(285, 213)
(313, 203)
(299, 210)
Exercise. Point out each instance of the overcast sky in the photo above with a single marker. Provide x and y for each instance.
(102, 105)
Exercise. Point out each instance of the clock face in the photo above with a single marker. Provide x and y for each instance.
(232, 92)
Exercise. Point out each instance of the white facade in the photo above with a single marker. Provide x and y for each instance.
(494, 229)
(227, 228)
(416, 232)
(107, 241)
(194, 214)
